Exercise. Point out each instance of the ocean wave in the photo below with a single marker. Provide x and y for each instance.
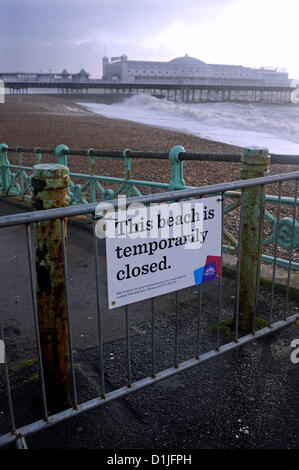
(273, 126)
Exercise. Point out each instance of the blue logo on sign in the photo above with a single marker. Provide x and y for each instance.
(210, 272)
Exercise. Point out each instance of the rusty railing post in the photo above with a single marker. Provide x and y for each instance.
(50, 185)
(255, 161)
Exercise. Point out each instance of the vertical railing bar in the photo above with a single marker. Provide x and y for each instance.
(128, 347)
(153, 338)
(21, 443)
(65, 274)
(291, 252)
(7, 383)
(236, 338)
(275, 255)
(34, 307)
(100, 330)
(21, 176)
(176, 329)
(262, 208)
(220, 278)
(198, 320)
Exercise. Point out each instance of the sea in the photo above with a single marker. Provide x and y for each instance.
(272, 126)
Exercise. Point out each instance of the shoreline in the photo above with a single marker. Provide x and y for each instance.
(165, 128)
(239, 124)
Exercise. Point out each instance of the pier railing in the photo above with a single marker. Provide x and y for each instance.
(15, 180)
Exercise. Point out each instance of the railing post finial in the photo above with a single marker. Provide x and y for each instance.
(62, 158)
(177, 172)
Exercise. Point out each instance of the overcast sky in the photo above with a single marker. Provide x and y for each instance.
(55, 34)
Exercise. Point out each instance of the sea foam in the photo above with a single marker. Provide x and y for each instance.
(275, 127)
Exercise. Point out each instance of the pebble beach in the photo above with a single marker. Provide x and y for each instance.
(46, 121)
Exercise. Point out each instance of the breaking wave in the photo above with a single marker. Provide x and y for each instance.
(275, 127)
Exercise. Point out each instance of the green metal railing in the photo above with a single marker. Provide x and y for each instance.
(15, 180)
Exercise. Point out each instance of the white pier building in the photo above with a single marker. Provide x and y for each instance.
(190, 71)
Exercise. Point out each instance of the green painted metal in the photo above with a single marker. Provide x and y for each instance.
(5, 173)
(50, 183)
(62, 159)
(15, 180)
(255, 164)
(284, 229)
(177, 172)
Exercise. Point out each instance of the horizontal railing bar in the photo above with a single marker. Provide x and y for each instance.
(284, 159)
(94, 153)
(153, 184)
(210, 157)
(275, 158)
(284, 199)
(158, 155)
(72, 211)
(30, 150)
(117, 153)
(114, 179)
(269, 198)
(140, 384)
(17, 167)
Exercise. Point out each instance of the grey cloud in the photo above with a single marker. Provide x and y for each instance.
(43, 34)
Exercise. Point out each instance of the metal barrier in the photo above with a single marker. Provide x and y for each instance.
(151, 374)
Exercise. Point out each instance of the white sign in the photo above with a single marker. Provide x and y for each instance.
(162, 248)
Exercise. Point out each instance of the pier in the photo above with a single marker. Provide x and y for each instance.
(172, 92)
